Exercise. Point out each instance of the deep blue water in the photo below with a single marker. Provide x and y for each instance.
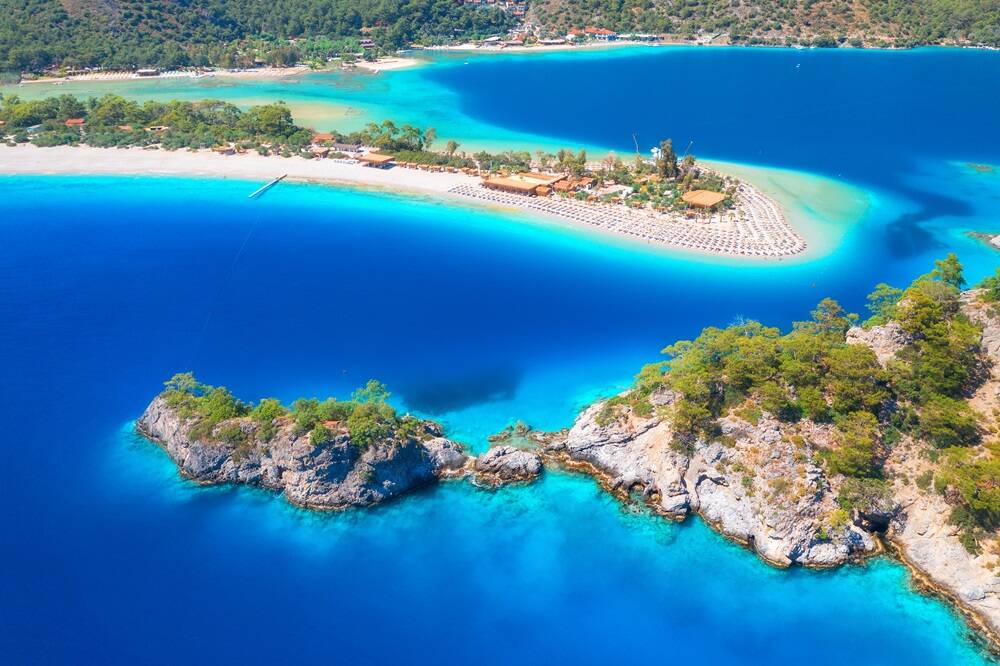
(110, 285)
(870, 117)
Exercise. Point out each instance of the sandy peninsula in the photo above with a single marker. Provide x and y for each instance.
(388, 64)
(755, 229)
(118, 76)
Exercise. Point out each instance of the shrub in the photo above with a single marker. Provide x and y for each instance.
(265, 414)
(947, 422)
(975, 479)
(865, 495)
(231, 433)
(858, 441)
(370, 422)
(320, 435)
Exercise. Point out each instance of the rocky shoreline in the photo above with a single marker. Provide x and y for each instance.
(334, 475)
(757, 482)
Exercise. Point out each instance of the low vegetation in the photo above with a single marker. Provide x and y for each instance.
(113, 121)
(218, 416)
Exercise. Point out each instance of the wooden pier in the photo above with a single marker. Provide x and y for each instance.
(256, 193)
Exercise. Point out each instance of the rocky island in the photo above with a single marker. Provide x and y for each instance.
(821, 446)
(327, 455)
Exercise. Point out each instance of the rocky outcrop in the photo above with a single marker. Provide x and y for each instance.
(505, 464)
(754, 484)
(334, 475)
(922, 530)
(885, 340)
(929, 543)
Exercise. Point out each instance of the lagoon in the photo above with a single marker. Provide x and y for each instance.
(109, 285)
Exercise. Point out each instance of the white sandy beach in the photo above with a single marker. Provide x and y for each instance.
(28, 159)
(756, 229)
(388, 64)
(118, 76)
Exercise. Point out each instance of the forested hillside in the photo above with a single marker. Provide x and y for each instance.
(169, 33)
(827, 22)
(35, 34)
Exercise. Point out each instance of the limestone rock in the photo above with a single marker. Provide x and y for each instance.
(885, 340)
(333, 475)
(757, 488)
(504, 464)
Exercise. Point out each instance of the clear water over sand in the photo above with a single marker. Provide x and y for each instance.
(109, 285)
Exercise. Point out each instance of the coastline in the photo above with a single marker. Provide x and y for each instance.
(599, 220)
(123, 76)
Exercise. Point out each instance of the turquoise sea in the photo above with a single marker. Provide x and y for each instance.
(109, 285)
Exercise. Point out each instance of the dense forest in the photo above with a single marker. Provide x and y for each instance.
(36, 34)
(820, 22)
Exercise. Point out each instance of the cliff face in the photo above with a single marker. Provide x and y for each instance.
(921, 530)
(336, 474)
(759, 486)
(333, 475)
(756, 488)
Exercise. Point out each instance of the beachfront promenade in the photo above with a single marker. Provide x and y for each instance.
(756, 227)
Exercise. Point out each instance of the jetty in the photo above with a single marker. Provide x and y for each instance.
(259, 191)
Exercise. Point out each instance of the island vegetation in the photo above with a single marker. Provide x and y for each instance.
(813, 373)
(367, 416)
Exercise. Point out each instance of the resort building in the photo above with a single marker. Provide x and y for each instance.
(322, 137)
(529, 183)
(348, 148)
(377, 160)
(75, 122)
(602, 34)
(703, 198)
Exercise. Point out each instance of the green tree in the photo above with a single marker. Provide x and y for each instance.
(858, 441)
(666, 163)
(947, 422)
(949, 270)
(882, 303)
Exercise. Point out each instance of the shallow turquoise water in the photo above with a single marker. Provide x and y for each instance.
(109, 285)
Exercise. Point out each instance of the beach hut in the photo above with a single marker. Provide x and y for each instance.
(322, 137)
(377, 160)
(703, 198)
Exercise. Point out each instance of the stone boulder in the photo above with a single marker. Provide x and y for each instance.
(501, 465)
